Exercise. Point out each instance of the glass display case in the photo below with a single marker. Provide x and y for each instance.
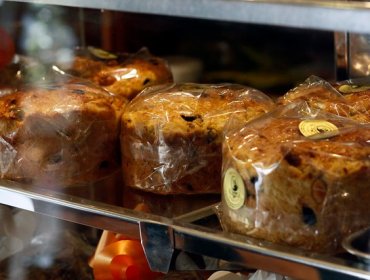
(269, 45)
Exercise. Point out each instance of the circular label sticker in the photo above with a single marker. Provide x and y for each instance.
(102, 54)
(352, 88)
(233, 189)
(317, 129)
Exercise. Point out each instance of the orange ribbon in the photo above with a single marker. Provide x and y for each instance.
(120, 258)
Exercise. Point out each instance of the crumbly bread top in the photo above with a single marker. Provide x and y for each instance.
(126, 76)
(185, 109)
(360, 101)
(57, 100)
(268, 140)
(321, 95)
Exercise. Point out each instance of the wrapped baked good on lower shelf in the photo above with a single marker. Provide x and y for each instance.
(59, 133)
(296, 176)
(322, 95)
(124, 74)
(39, 247)
(171, 135)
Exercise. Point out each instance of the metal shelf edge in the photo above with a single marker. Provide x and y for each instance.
(75, 209)
(321, 15)
(279, 259)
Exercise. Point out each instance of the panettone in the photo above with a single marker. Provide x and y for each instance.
(122, 74)
(359, 98)
(322, 95)
(171, 135)
(306, 191)
(59, 134)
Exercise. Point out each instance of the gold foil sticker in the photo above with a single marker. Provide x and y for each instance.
(352, 88)
(318, 129)
(233, 189)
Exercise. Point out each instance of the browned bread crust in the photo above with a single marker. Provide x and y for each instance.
(126, 75)
(302, 192)
(59, 135)
(322, 95)
(358, 96)
(171, 135)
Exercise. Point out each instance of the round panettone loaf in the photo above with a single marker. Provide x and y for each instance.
(296, 176)
(171, 135)
(59, 134)
(322, 95)
(122, 74)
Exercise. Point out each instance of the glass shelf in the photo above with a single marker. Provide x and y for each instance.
(190, 232)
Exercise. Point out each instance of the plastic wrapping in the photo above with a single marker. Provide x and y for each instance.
(357, 93)
(296, 176)
(58, 131)
(123, 74)
(322, 95)
(171, 135)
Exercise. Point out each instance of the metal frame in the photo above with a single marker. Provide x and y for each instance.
(315, 14)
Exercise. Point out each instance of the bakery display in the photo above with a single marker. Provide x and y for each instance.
(322, 95)
(171, 135)
(123, 74)
(297, 176)
(59, 134)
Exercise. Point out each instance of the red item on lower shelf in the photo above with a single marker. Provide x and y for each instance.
(7, 48)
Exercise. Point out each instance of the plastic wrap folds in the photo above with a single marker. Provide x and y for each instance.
(349, 99)
(124, 74)
(57, 130)
(171, 135)
(296, 176)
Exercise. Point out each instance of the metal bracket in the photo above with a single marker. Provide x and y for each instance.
(157, 241)
(341, 55)
(352, 53)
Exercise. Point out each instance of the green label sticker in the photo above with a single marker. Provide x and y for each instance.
(233, 189)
